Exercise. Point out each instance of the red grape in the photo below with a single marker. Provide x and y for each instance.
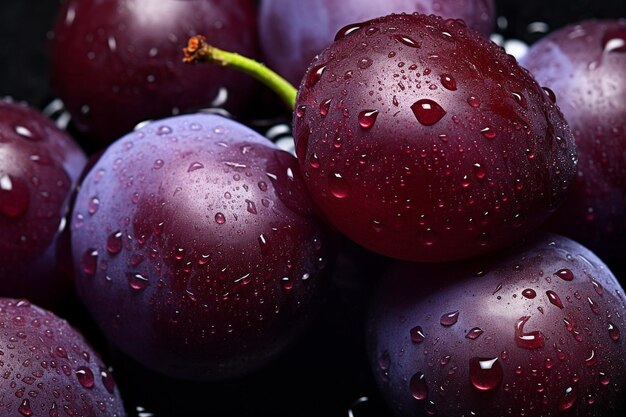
(39, 167)
(421, 140)
(116, 63)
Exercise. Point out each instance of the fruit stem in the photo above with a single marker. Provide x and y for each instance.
(199, 51)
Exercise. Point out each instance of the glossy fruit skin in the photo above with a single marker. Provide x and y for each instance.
(49, 368)
(422, 141)
(203, 258)
(119, 62)
(575, 367)
(39, 167)
(292, 33)
(586, 69)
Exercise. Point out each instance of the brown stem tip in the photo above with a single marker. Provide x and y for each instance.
(197, 50)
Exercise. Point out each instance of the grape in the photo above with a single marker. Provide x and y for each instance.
(423, 141)
(196, 249)
(117, 63)
(293, 32)
(535, 331)
(585, 66)
(39, 167)
(49, 369)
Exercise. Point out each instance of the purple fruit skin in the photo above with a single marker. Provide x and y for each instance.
(587, 73)
(48, 366)
(215, 219)
(490, 170)
(488, 293)
(119, 62)
(293, 32)
(39, 167)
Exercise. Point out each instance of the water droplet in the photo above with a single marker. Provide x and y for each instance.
(347, 30)
(89, 262)
(531, 340)
(479, 171)
(53, 410)
(529, 293)
(473, 101)
(550, 94)
(449, 319)
(614, 40)
(364, 63)
(597, 287)
(163, 130)
(114, 243)
(613, 332)
(565, 274)
(445, 360)
(24, 408)
(448, 82)
(338, 186)
(14, 196)
(485, 373)
(251, 207)
(488, 132)
(92, 205)
(568, 400)
(427, 112)
(474, 333)
(220, 218)
(325, 107)
(384, 361)
(85, 377)
(406, 40)
(418, 387)
(594, 306)
(367, 118)
(300, 110)
(554, 298)
(591, 359)
(417, 334)
(604, 379)
(25, 132)
(137, 281)
(194, 166)
(107, 380)
(158, 164)
(315, 74)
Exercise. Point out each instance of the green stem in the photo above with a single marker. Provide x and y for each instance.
(198, 50)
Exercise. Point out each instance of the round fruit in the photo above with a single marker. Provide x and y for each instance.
(116, 63)
(39, 167)
(421, 140)
(49, 369)
(585, 66)
(533, 332)
(293, 32)
(195, 247)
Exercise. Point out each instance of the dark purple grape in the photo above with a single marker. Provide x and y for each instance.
(293, 32)
(196, 249)
(585, 66)
(421, 140)
(535, 331)
(39, 167)
(48, 369)
(116, 63)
